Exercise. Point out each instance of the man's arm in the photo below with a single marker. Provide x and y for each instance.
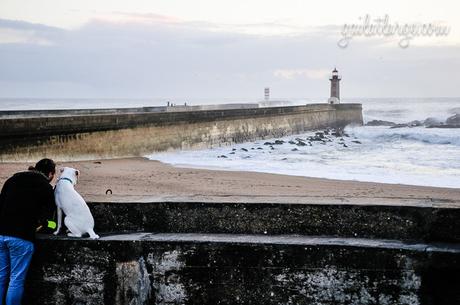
(48, 206)
(3, 194)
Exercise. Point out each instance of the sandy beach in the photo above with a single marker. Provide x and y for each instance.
(141, 180)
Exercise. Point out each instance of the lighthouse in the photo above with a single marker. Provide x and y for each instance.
(335, 87)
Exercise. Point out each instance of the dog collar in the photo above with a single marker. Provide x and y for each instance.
(66, 179)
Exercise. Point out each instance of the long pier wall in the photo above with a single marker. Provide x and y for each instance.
(123, 134)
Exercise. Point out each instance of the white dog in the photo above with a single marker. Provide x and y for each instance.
(78, 216)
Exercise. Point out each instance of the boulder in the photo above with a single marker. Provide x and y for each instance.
(453, 120)
(380, 123)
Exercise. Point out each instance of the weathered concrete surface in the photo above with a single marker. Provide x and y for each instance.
(98, 136)
(202, 269)
(409, 223)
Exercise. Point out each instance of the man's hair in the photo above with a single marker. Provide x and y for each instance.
(44, 166)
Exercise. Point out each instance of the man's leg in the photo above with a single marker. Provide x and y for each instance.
(20, 256)
(4, 268)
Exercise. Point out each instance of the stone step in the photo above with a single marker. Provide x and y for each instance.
(193, 268)
(423, 223)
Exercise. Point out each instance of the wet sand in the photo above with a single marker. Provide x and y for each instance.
(141, 180)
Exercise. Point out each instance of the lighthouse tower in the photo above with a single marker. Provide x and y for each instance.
(335, 87)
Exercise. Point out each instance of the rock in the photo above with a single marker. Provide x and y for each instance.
(294, 149)
(443, 126)
(301, 143)
(344, 145)
(233, 149)
(292, 142)
(453, 120)
(268, 143)
(380, 123)
(259, 148)
(252, 148)
(357, 142)
(399, 126)
(319, 135)
(244, 149)
(337, 133)
(278, 142)
(431, 121)
(283, 159)
(326, 132)
(222, 156)
(232, 153)
(415, 123)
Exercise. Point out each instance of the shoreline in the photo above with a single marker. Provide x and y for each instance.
(143, 180)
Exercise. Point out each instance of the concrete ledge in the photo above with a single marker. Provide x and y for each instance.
(241, 269)
(405, 223)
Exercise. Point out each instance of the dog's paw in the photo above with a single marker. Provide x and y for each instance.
(94, 237)
(73, 235)
(55, 232)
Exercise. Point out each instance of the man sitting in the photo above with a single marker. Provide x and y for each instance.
(24, 197)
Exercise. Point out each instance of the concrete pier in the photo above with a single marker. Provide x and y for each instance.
(104, 134)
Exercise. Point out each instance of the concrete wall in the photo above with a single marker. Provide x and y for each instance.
(168, 255)
(135, 134)
(376, 221)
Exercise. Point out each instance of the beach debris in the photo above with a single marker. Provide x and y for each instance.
(244, 149)
(108, 192)
(222, 156)
(357, 142)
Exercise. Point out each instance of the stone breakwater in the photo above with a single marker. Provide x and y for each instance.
(126, 134)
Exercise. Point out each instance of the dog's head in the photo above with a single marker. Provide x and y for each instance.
(69, 173)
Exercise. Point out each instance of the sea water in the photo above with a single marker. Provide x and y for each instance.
(409, 155)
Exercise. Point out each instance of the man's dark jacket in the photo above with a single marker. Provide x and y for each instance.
(26, 199)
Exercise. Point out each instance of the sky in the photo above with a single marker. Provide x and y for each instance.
(224, 49)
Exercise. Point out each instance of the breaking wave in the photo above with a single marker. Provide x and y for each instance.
(383, 134)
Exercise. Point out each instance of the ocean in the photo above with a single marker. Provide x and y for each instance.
(406, 155)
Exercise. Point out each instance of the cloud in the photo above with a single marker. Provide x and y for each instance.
(173, 58)
(302, 73)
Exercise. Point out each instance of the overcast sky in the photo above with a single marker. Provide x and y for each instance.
(221, 49)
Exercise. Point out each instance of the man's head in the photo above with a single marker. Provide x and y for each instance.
(46, 167)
